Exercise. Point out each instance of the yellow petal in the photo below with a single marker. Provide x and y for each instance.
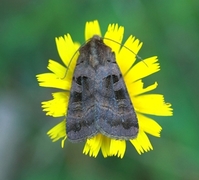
(152, 104)
(141, 143)
(105, 147)
(57, 69)
(142, 69)
(136, 88)
(86, 148)
(113, 37)
(127, 54)
(148, 125)
(92, 28)
(58, 131)
(51, 80)
(117, 148)
(93, 145)
(60, 71)
(58, 106)
(67, 49)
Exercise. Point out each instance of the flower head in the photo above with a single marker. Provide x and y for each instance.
(144, 103)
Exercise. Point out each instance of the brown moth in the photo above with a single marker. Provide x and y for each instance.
(99, 101)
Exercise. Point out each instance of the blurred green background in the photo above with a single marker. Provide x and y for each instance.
(169, 29)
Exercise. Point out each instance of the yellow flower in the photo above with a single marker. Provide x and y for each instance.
(61, 77)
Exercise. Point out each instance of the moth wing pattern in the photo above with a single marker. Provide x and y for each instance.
(116, 115)
(99, 101)
(80, 117)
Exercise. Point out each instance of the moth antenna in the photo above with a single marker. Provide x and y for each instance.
(74, 56)
(106, 39)
(127, 49)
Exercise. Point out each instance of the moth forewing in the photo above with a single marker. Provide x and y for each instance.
(99, 101)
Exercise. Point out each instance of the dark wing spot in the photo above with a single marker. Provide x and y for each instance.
(120, 94)
(82, 80)
(79, 80)
(110, 79)
(115, 78)
(75, 127)
(107, 81)
(85, 82)
(129, 123)
(77, 97)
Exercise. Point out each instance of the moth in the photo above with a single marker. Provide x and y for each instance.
(99, 101)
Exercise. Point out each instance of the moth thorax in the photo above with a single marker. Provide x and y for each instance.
(93, 61)
(94, 54)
